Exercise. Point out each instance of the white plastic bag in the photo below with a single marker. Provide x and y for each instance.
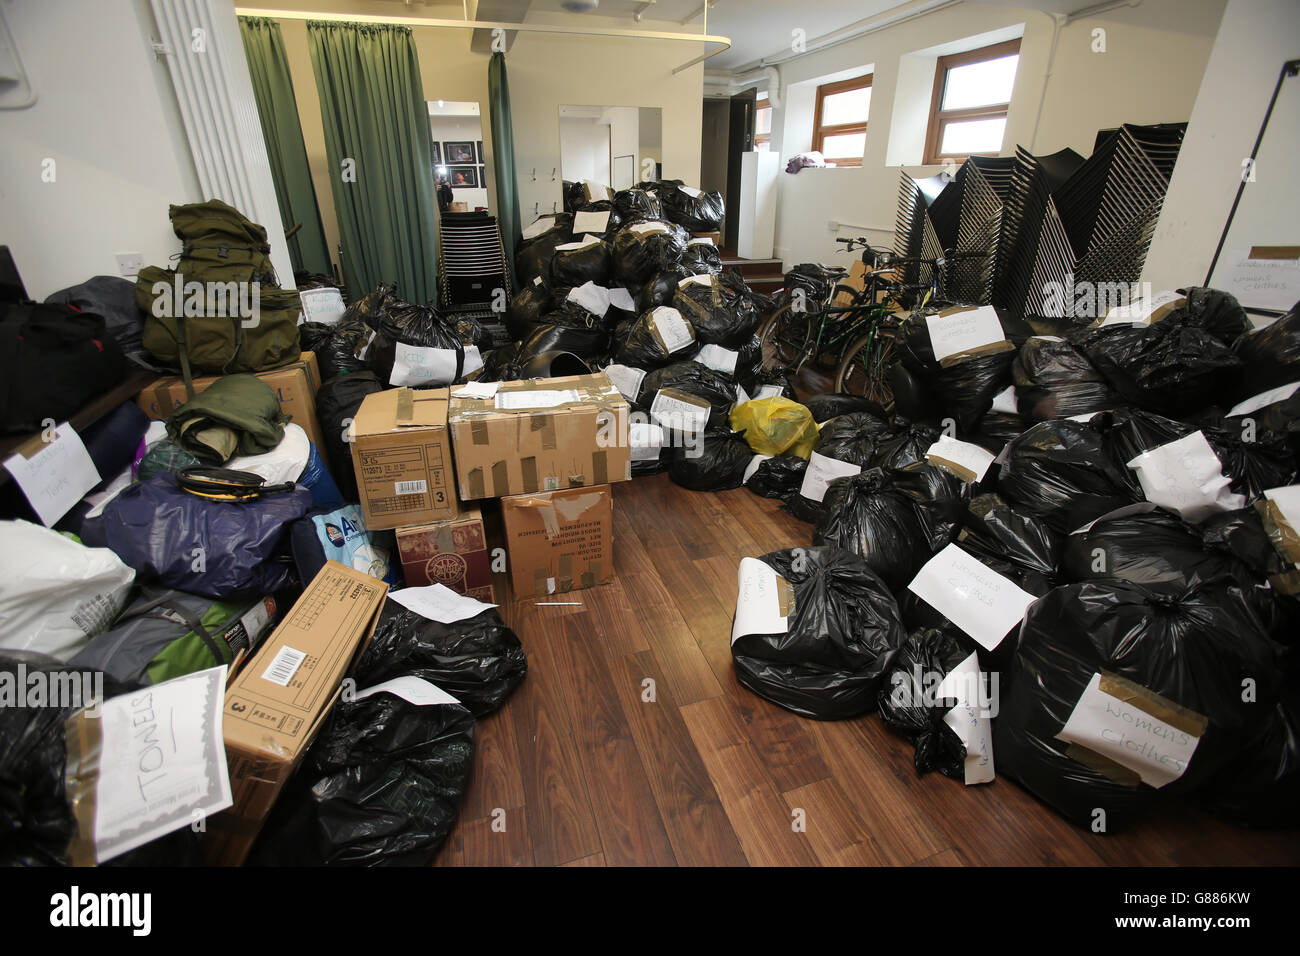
(285, 462)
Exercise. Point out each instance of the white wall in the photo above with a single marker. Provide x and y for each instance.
(461, 129)
(1256, 38)
(584, 149)
(106, 114)
(1155, 55)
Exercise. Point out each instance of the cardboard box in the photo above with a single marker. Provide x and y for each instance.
(559, 541)
(715, 236)
(294, 385)
(401, 454)
(454, 553)
(275, 705)
(541, 435)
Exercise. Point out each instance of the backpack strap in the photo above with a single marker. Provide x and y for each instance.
(166, 601)
(182, 341)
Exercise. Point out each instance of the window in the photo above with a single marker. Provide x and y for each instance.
(762, 124)
(840, 120)
(972, 91)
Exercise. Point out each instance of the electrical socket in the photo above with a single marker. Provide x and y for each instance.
(129, 263)
(832, 225)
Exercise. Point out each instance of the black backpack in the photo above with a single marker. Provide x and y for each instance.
(53, 359)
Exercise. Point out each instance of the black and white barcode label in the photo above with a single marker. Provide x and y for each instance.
(284, 665)
(411, 487)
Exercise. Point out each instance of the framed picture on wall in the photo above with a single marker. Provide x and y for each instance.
(482, 177)
(481, 160)
(463, 177)
(454, 152)
(435, 151)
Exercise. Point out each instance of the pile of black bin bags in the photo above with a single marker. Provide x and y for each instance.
(1154, 659)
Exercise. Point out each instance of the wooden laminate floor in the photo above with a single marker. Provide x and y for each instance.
(631, 743)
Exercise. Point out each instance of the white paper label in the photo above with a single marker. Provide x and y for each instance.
(477, 390)
(1139, 311)
(984, 604)
(702, 279)
(769, 391)
(647, 440)
(1186, 477)
(1265, 399)
(322, 305)
(1125, 733)
(718, 358)
(626, 379)
(675, 331)
(439, 603)
(585, 243)
(284, 665)
(587, 221)
(677, 415)
(591, 297)
(758, 601)
(821, 471)
(964, 454)
(1140, 508)
(596, 192)
(970, 719)
(55, 478)
(163, 761)
(742, 396)
(1005, 401)
(963, 331)
(539, 227)
(415, 365)
(647, 228)
(539, 398)
(692, 191)
(753, 467)
(413, 690)
(1261, 283)
(701, 241)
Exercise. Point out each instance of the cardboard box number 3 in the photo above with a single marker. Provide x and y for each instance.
(559, 541)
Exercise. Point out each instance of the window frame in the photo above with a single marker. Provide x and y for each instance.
(820, 132)
(762, 102)
(940, 118)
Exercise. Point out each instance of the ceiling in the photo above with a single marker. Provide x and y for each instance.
(760, 28)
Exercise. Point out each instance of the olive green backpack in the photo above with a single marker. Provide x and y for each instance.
(213, 327)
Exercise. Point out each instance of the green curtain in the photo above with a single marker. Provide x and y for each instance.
(294, 191)
(377, 139)
(503, 159)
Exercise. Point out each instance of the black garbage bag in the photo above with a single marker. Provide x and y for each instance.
(581, 261)
(855, 438)
(815, 281)
(1269, 356)
(600, 206)
(313, 335)
(720, 314)
(380, 786)
(713, 461)
(778, 477)
(570, 328)
(939, 497)
(1217, 312)
(479, 660)
(692, 209)
(533, 256)
(657, 338)
(340, 353)
(643, 249)
(909, 706)
(965, 389)
(575, 194)
(1261, 788)
(36, 819)
(865, 514)
(830, 658)
(775, 382)
(994, 529)
(402, 324)
(499, 365)
(826, 406)
(660, 288)
(337, 402)
(906, 444)
(1060, 472)
(1055, 380)
(690, 379)
(1172, 367)
(527, 307)
(995, 429)
(638, 204)
(1177, 664)
(702, 258)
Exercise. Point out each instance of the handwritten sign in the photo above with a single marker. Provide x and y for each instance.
(322, 305)
(1263, 279)
(56, 476)
(967, 461)
(963, 331)
(821, 471)
(415, 365)
(758, 600)
(1186, 477)
(587, 221)
(439, 603)
(984, 604)
(971, 719)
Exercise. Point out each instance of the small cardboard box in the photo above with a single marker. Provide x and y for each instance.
(453, 553)
(294, 385)
(275, 705)
(401, 454)
(560, 540)
(541, 435)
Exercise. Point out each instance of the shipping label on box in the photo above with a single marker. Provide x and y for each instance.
(559, 541)
(452, 553)
(541, 435)
(401, 454)
(275, 705)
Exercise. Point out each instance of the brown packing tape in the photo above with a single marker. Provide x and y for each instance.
(1103, 765)
(586, 580)
(528, 470)
(443, 540)
(564, 576)
(478, 431)
(993, 348)
(573, 507)
(599, 468)
(961, 471)
(1286, 582)
(405, 404)
(500, 479)
(475, 482)
(595, 571)
(539, 582)
(1162, 708)
(84, 742)
(1275, 252)
(1285, 539)
(784, 596)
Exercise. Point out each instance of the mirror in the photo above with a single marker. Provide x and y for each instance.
(619, 146)
(458, 157)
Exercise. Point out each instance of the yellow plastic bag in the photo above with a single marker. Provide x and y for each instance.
(776, 426)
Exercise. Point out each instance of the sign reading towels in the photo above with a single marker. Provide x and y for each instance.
(417, 365)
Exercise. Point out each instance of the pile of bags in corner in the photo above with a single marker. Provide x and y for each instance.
(1080, 556)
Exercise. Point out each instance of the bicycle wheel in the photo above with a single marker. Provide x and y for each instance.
(784, 336)
(865, 369)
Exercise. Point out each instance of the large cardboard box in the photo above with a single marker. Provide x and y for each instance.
(453, 553)
(559, 541)
(294, 385)
(541, 435)
(401, 454)
(276, 704)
